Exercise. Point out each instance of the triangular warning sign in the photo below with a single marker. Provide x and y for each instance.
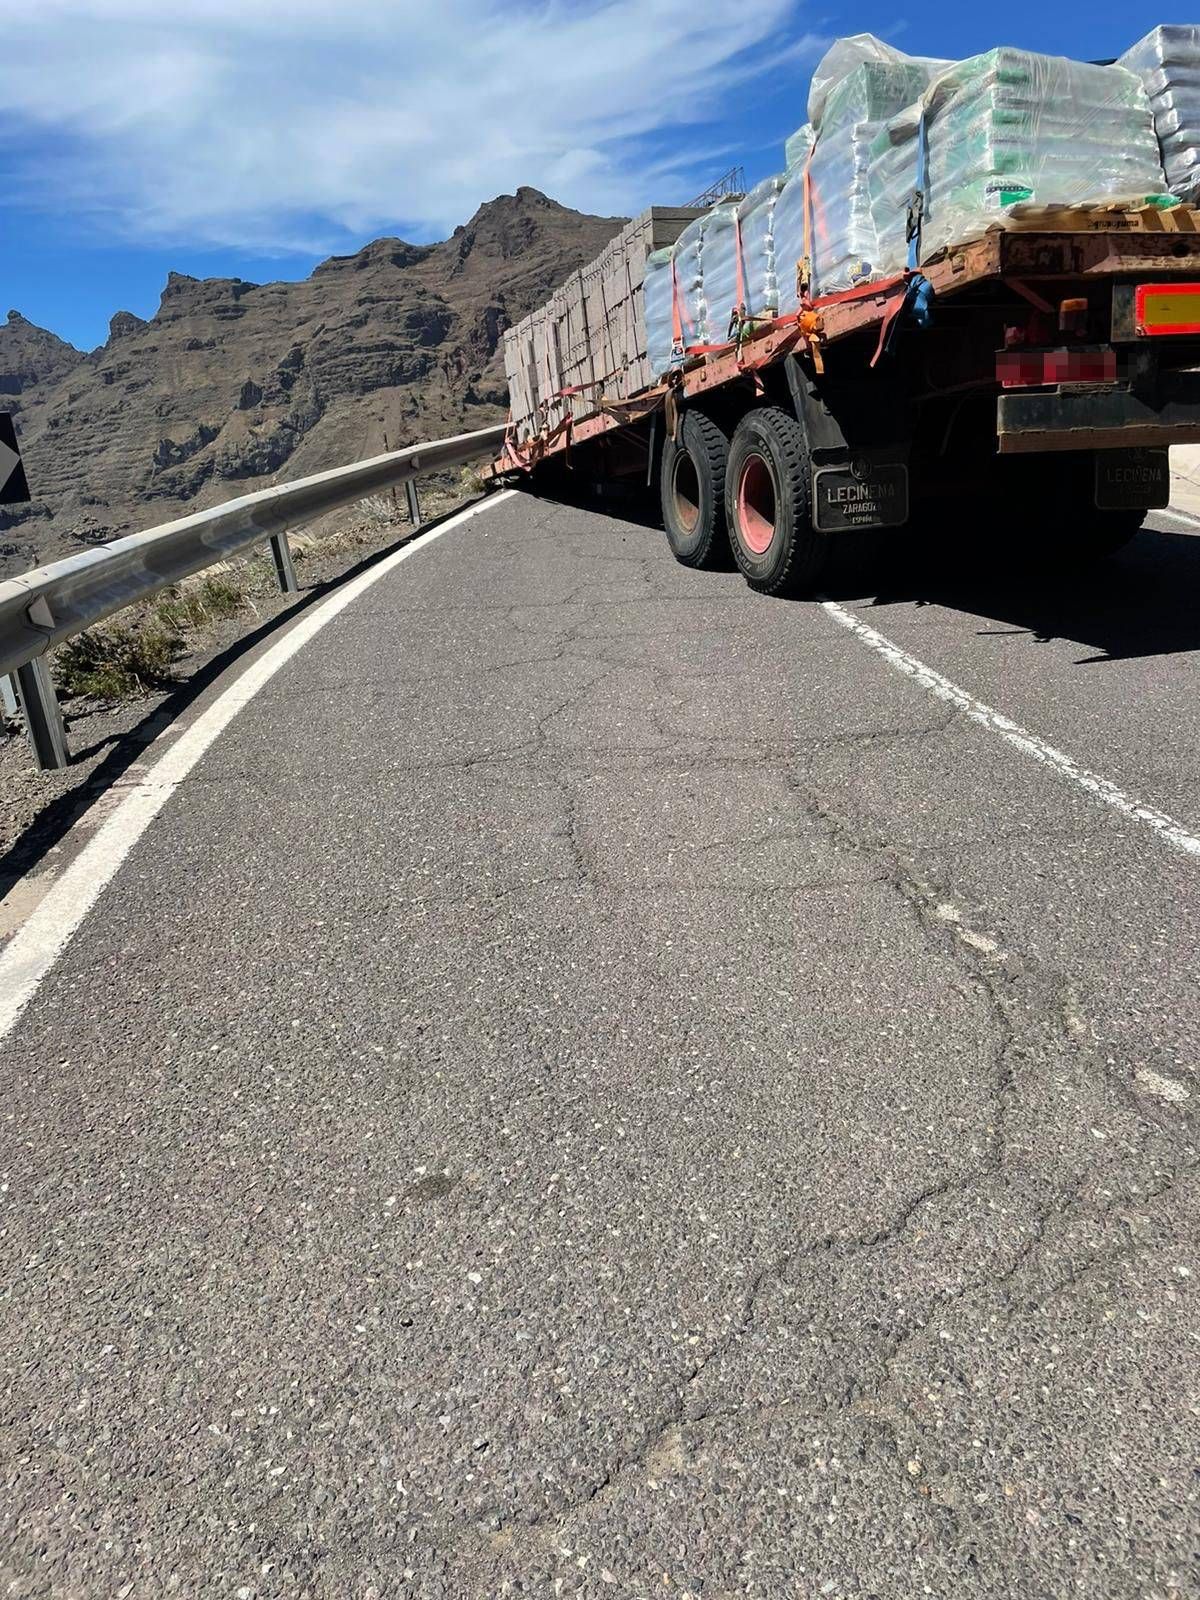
(13, 485)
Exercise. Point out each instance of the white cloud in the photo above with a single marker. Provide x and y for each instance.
(278, 124)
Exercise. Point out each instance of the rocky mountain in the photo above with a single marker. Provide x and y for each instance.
(31, 356)
(231, 385)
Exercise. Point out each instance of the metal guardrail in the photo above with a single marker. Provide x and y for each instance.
(45, 607)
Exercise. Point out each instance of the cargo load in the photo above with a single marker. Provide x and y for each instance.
(1167, 61)
(1004, 129)
(590, 340)
(658, 300)
(721, 272)
(851, 113)
(705, 273)
(738, 262)
(757, 217)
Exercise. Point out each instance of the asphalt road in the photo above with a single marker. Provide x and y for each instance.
(598, 1084)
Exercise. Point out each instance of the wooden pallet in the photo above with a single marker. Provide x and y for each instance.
(1106, 216)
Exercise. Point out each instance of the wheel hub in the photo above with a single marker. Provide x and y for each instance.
(685, 487)
(756, 505)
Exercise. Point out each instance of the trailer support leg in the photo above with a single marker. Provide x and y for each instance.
(43, 718)
(414, 505)
(285, 569)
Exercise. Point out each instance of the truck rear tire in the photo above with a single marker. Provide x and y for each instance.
(692, 479)
(1103, 533)
(768, 504)
(1063, 528)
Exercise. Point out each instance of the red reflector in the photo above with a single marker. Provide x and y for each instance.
(1160, 309)
(1026, 369)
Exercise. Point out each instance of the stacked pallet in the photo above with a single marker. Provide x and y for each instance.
(1009, 129)
(588, 341)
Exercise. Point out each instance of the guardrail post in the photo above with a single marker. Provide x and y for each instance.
(8, 696)
(285, 569)
(43, 719)
(414, 505)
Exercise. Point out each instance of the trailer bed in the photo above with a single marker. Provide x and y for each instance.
(1087, 243)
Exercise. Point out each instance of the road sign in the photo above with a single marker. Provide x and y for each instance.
(13, 485)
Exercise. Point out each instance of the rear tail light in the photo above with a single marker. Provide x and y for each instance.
(1027, 369)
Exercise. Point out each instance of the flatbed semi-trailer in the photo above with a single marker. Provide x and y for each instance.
(1037, 373)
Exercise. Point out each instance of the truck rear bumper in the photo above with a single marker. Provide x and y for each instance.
(1100, 417)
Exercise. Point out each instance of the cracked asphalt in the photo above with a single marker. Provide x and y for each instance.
(598, 1086)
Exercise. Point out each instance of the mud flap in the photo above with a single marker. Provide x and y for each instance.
(1132, 480)
(860, 493)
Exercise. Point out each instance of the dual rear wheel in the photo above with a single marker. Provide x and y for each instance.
(692, 476)
(749, 495)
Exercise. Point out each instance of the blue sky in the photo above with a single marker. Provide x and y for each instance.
(252, 138)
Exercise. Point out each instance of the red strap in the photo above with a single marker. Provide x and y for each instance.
(861, 291)
(676, 320)
(898, 294)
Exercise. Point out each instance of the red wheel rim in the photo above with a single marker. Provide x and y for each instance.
(685, 487)
(756, 505)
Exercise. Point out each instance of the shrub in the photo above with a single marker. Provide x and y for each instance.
(381, 511)
(179, 608)
(115, 661)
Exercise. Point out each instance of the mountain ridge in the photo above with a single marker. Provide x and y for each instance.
(232, 385)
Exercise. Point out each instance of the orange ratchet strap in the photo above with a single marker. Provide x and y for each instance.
(804, 274)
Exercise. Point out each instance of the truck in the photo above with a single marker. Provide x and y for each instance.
(1032, 378)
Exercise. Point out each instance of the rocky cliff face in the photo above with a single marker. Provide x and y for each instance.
(30, 356)
(233, 385)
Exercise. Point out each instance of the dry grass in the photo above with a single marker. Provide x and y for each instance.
(117, 660)
(135, 654)
(194, 604)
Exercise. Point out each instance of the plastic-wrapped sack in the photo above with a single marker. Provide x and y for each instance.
(688, 285)
(797, 146)
(891, 180)
(844, 245)
(656, 300)
(1167, 61)
(852, 108)
(757, 295)
(756, 215)
(701, 261)
(718, 273)
(844, 55)
(1009, 127)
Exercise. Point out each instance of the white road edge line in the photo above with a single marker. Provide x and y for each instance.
(42, 937)
(1028, 743)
